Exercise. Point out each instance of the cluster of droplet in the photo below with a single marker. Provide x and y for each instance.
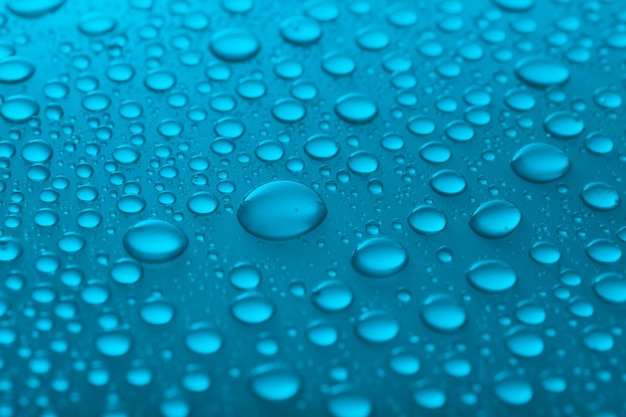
(255, 203)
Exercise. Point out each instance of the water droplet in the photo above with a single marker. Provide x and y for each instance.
(157, 312)
(540, 163)
(491, 276)
(379, 257)
(604, 251)
(252, 308)
(377, 327)
(332, 296)
(610, 287)
(234, 45)
(155, 241)
(288, 110)
(204, 340)
(427, 220)
(300, 30)
(524, 342)
(448, 183)
(541, 72)
(321, 147)
(281, 210)
(442, 313)
(15, 69)
(363, 163)
(513, 390)
(10, 249)
(245, 276)
(33, 8)
(19, 108)
(563, 125)
(345, 401)
(356, 108)
(202, 203)
(600, 196)
(495, 219)
(113, 343)
(274, 382)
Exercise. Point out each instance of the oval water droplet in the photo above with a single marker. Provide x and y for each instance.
(442, 313)
(377, 327)
(379, 257)
(19, 108)
(281, 210)
(234, 45)
(252, 308)
(155, 241)
(563, 125)
(600, 196)
(495, 219)
(540, 163)
(356, 108)
(491, 276)
(15, 69)
(427, 220)
(541, 72)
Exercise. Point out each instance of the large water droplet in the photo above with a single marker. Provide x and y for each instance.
(541, 72)
(281, 210)
(379, 257)
(33, 8)
(540, 163)
(274, 382)
(252, 308)
(495, 219)
(427, 220)
(610, 287)
(155, 241)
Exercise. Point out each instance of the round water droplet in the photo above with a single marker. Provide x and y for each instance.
(524, 342)
(322, 333)
(604, 251)
(113, 343)
(495, 219)
(202, 203)
(274, 382)
(345, 401)
(540, 163)
(234, 45)
(541, 72)
(288, 110)
(427, 220)
(448, 183)
(513, 390)
(599, 144)
(332, 296)
(563, 124)
(363, 163)
(545, 253)
(610, 287)
(126, 271)
(245, 276)
(281, 210)
(321, 147)
(300, 30)
(37, 151)
(160, 80)
(356, 108)
(430, 398)
(252, 308)
(600, 196)
(157, 312)
(379, 257)
(520, 100)
(204, 340)
(421, 125)
(377, 327)
(598, 340)
(10, 249)
(19, 108)
(442, 313)
(491, 276)
(404, 362)
(155, 241)
(15, 69)
(94, 24)
(435, 152)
